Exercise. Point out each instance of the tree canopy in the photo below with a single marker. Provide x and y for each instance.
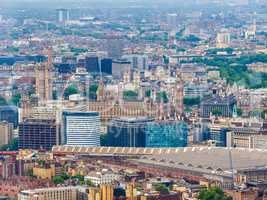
(191, 101)
(213, 193)
(130, 95)
(3, 101)
(70, 91)
(161, 188)
(235, 70)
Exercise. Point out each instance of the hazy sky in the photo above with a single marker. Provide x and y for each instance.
(104, 3)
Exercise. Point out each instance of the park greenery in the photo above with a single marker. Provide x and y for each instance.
(213, 193)
(64, 177)
(235, 70)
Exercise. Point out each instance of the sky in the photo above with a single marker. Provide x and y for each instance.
(92, 3)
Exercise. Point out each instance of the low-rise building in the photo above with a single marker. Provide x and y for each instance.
(104, 177)
(60, 193)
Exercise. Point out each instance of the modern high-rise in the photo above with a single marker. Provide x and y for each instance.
(223, 39)
(218, 134)
(92, 64)
(172, 20)
(119, 67)
(81, 128)
(166, 134)
(128, 132)
(106, 66)
(137, 61)
(63, 15)
(9, 114)
(38, 134)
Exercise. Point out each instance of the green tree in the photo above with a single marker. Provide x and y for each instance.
(217, 112)
(104, 139)
(54, 95)
(41, 163)
(58, 180)
(79, 177)
(29, 173)
(70, 91)
(65, 176)
(162, 96)
(161, 188)
(213, 193)
(264, 114)
(16, 99)
(89, 183)
(92, 91)
(12, 146)
(188, 101)
(191, 38)
(239, 111)
(3, 101)
(130, 95)
(148, 93)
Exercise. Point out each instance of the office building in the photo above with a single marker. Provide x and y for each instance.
(65, 68)
(119, 67)
(248, 134)
(223, 39)
(218, 134)
(92, 64)
(63, 15)
(217, 105)
(38, 134)
(6, 132)
(81, 128)
(137, 61)
(9, 114)
(106, 66)
(166, 134)
(128, 132)
(172, 21)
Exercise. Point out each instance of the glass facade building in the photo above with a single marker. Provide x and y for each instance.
(166, 134)
(218, 135)
(128, 132)
(81, 128)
